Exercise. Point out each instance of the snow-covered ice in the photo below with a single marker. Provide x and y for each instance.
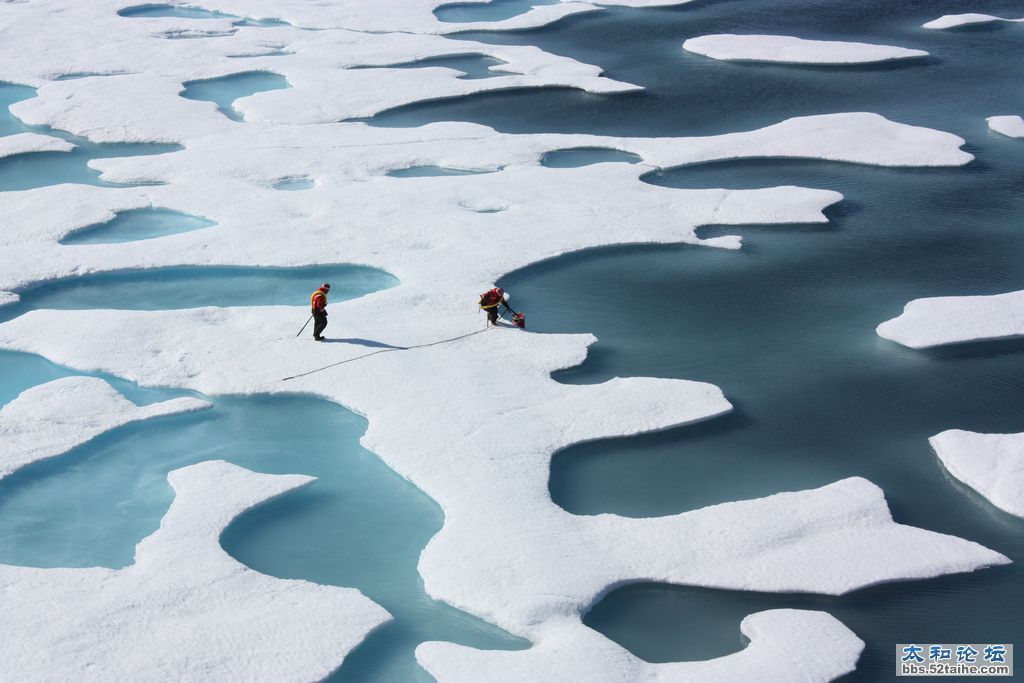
(507, 552)
(942, 320)
(185, 610)
(792, 50)
(969, 19)
(1010, 126)
(783, 646)
(51, 419)
(25, 143)
(991, 464)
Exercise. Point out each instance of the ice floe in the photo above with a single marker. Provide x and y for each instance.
(968, 19)
(783, 646)
(185, 610)
(437, 415)
(503, 536)
(51, 419)
(25, 143)
(1010, 126)
(791, 50)
(991, 464)
(955, 319)
(8, 298)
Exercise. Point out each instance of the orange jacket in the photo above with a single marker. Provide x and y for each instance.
(318, 300)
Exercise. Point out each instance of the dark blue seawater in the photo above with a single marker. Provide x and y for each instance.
(786, 326)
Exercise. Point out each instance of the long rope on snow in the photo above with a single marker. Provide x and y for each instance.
(374, 353)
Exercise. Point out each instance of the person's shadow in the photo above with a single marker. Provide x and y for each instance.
(363, 342)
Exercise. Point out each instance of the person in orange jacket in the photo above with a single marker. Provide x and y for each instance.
(318, 302)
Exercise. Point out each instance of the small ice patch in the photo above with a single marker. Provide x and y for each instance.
(791, 50)
(26, 143)
(138, 224)
(1010, 126)
(970, 19)
(991, 464)
(937, 321)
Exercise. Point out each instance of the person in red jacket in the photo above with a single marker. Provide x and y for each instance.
(318, 302)
(490, 301)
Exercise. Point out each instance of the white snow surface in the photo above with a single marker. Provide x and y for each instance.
(25, 143)
(784, 646)
(507, 552)
(185, 610)
(991, 464)
(51, 419)
(942, 320)
(1010, 126)
(792, 50)
(968, 19)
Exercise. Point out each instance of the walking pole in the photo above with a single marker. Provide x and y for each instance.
(304, 324)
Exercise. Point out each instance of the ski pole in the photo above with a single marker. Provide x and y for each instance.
(304, 325)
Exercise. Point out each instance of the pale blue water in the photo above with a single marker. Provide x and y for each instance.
(294, 184)
(192, 287)
(225, 90)
(473, 66)
(81, 74)
(195, 13)
(585, 156)
(495, 10)
(138, 224)
(428, 171)
(785, 327)
(273, 53)
(40, 169)
(359, 525)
